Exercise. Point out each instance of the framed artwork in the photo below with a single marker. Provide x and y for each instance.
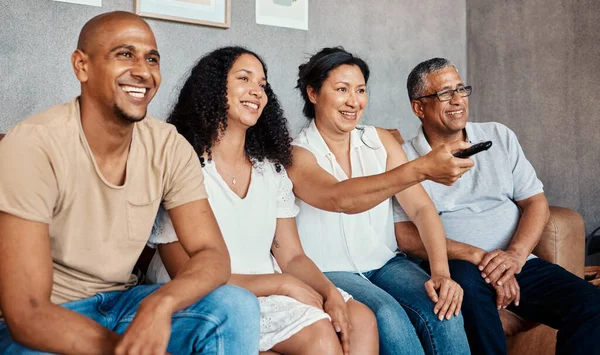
(282, 13)
(215, 13)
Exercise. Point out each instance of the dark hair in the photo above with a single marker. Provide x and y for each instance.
(416, 84)
(314, 72)
(200, 114)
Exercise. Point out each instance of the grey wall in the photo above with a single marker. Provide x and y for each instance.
(535, 66)
(37, 38)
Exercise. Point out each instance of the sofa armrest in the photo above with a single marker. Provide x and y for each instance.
(563, 240)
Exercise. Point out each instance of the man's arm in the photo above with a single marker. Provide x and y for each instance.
(25, 289)
(498, 265)
(208, 267)
(409, 241)
(534, 217)
(320, 189)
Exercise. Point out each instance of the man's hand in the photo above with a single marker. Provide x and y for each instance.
(507, 293)
(449, 299)
(442, 167)
(298, 290)
(498, 266)
(150, 330)
(337, 309)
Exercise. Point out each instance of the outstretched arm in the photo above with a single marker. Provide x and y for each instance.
(318, 188)
(25, 289)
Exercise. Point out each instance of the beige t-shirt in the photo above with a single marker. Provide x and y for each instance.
(97, 230)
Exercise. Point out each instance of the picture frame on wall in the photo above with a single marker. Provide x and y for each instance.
(216, 13)
(283, 13)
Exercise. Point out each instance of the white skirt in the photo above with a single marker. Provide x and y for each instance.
(282, 316)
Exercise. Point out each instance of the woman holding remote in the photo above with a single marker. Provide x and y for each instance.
(345, 176)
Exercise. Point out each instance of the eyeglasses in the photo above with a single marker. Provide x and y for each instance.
(447, 95)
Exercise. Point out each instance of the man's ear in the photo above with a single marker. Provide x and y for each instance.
(80, 60)
(417, 107)
(312, 94)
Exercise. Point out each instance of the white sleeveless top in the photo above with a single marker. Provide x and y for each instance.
(347, 242)
(247, 224)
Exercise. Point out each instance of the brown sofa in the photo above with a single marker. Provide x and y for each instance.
(563, 243)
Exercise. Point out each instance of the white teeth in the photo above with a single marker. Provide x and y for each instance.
(348, 113)
(250, 104)
(455, 112)
(134, 91)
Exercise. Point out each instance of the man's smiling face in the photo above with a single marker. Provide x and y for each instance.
(445, 118)
(123, 68)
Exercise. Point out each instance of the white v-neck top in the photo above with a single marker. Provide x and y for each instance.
(347, 242)
(247, 224)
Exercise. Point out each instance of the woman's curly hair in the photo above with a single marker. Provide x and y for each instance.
(200, 113)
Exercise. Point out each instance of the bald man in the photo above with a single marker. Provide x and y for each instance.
(80, 187)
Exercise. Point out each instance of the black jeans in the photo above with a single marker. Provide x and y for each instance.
(549, 295)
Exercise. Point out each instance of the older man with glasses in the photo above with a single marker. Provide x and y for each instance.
(493, 217)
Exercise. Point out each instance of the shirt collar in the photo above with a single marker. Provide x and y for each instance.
(422, 146)
(318, 143)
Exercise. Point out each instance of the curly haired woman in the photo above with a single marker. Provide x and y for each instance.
(232, 118)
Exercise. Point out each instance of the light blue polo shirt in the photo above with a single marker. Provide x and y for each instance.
(480, 209)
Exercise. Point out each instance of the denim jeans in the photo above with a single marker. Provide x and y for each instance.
(404, 312)
(226, 321)
(549, 294)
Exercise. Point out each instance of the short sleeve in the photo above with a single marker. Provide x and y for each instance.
(162, 230)
(525, 180)
(399, 214)
(28, 184)
(185, 182)
(286, 201)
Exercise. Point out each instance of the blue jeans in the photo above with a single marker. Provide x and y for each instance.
(549, 294)
(226, 321)
(404, 312)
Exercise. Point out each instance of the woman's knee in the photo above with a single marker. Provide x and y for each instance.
(362, 319)
(323, 338)
(364, 335)
(317, 338)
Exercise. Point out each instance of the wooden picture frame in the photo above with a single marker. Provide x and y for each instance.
(196, 11)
